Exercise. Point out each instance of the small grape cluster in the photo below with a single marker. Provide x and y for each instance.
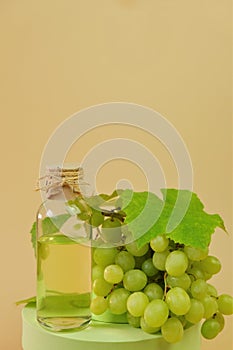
(162, 287)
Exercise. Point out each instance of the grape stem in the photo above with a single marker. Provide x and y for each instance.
(179, 246)
(113, 214)
(166, 287)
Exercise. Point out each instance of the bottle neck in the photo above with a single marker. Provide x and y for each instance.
(62, 193)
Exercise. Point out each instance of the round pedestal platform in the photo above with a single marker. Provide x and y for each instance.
(100, 336)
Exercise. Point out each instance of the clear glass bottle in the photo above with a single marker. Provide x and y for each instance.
(63, 255)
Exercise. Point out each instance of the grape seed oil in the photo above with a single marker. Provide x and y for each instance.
(63, 283)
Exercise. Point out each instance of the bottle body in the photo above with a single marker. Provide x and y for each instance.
(63, 268)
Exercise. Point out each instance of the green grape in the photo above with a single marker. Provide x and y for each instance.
(139, 260)
(225, 304)
(199, 289)
(211, 265)
(196, 273)
(133, 249)
(182, 320)
(113, 274)
(210, 306)
(134, 280)
(133, 321)
(211, 290)
(156, 313)
(159, 259)
(105, 256)
(192, 278)
(144, 326)
(125, 260)
(207, 276)
(196, 311)
(176, 263)
(101, 287)
(117, 301)
(97, 272)
(111, 230)
(219, 317)
(137, 303)
(178, 301)
(98, 305)
(126, 234)
(196, 254)
(149, 268)
(196, 269)
(159, 243)
(183, 281)
(172, 330)
(97, 218)
(210, 328)
(153, 291)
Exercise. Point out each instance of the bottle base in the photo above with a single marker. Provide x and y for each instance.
(64, 324)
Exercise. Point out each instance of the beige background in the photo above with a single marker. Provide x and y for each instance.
(60, 56)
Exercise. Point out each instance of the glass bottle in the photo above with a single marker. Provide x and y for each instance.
(63, 255)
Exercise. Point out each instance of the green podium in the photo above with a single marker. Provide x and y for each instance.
(100, 336)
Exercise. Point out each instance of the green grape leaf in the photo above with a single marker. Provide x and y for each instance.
(33, 235)
(53, 224)
(103, 199)
(196, 226)
(114, 194)
(26, 301)
(180, 215)
(49, 226)
(142, 210)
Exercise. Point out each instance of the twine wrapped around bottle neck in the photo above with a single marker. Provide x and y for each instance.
(57, 178)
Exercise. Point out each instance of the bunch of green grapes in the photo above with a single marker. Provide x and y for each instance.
(162, 287)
